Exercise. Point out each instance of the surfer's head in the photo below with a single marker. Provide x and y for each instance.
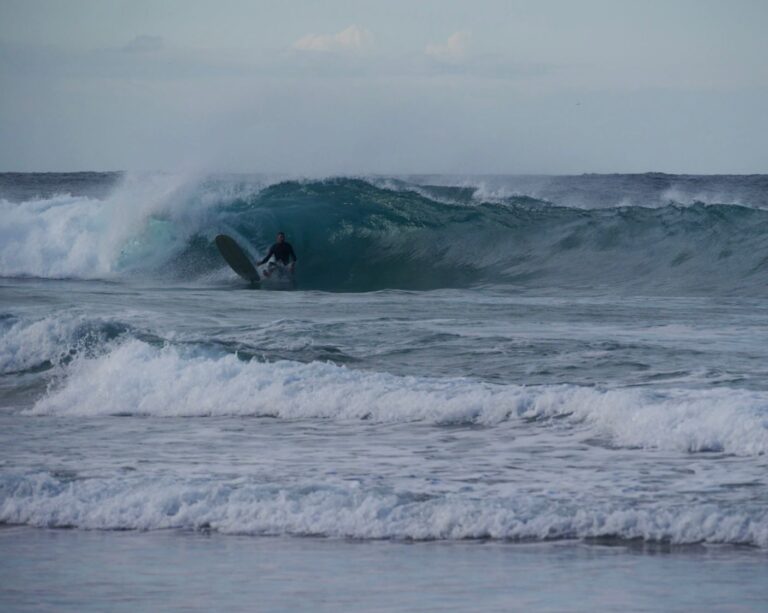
(281, 237)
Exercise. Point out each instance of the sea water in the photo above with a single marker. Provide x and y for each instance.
(487, 393)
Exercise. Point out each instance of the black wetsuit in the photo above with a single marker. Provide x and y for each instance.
(283, 253)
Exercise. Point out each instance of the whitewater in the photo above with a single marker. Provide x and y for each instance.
(514, 372)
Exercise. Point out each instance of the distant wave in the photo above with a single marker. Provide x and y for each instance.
(362, 235)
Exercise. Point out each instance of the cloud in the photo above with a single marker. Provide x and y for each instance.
(144, 44)
(352, 38)
(452, 50)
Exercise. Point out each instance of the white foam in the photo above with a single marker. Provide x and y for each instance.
(58, 237)
(26, 344)
(356, 510)
(137, 378)
(685, 197)
(79, 237)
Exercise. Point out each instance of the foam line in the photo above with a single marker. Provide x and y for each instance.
(136, 378)
(242, 506)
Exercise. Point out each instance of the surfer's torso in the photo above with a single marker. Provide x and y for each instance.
(283, 253)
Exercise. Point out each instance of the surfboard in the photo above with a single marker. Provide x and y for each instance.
(237, 259)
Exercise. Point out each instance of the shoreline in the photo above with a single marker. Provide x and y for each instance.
(175, 570)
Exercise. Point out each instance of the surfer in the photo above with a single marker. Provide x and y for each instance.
(283, 253)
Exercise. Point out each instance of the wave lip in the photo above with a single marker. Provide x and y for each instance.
(136, 378)
(242, 506)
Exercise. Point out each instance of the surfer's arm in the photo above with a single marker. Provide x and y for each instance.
(269, 255)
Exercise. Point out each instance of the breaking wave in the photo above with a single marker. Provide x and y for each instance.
(361, 235)
(134, 377)
(358, 510)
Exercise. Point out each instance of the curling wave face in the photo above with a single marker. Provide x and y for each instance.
(361, 235)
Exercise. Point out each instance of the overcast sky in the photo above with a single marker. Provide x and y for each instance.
(343, 87)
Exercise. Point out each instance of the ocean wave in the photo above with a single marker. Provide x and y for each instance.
(137, 378)
(82, 236)
(39, 344)
(361, 235)
(359, 510)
